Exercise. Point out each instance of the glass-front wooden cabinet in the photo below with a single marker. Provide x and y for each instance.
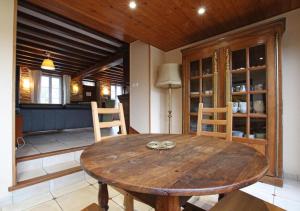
(243, 68)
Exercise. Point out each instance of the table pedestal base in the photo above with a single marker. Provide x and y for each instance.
(167, 203)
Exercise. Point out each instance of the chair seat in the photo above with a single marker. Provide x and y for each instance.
(92, 207)
(239, 200)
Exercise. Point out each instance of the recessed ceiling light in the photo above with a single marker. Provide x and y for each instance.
(132, 4)
(201, 10)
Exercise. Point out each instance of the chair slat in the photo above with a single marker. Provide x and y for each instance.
(214, 110)
(110, 124)
(213, 134)
(213, 122)
(108, 111)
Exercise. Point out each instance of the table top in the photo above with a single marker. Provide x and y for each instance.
(198, 165)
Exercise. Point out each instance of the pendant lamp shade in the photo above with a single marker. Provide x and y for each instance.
(48, 63)
(169, 76)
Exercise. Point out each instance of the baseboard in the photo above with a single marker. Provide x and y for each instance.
(276, 181)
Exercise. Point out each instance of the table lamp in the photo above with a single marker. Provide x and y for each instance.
(169, 78)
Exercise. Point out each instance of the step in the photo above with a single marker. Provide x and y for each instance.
(40, 179)
(48, 154)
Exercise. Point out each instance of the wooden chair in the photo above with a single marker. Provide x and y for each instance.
(98, 125)
(128, 199)
(238, 200)
(228, 122)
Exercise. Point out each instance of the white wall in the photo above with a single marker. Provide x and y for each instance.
(291, 86)
(7, 93)
(291, 97)
(158, 115)
(140, 87)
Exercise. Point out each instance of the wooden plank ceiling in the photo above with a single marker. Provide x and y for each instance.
(76, 50)
(167, 24)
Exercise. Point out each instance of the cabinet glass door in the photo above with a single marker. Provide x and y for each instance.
(248, 89)
(201, 83)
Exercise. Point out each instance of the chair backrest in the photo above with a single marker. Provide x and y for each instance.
(98, 125)
(228, 122)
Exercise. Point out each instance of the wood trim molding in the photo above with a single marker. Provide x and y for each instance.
(44, 178)
(48, 154)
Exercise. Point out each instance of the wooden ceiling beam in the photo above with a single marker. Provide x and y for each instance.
(56, 48)
(36, 67)
(62, 31)
(56, 60)
(39, 64)
(47, 15)
(54, 55)
(40, 60)
(102, 65)
(60, 41)
(53, 51)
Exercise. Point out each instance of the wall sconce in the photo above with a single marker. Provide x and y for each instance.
(26, 83)
(105, 91)
(75, 88)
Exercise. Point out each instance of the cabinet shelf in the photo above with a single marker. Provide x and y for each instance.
(262, 67)
(251, 115)
(239, 115)
(239, 93)
(258, 92)
(258, 115)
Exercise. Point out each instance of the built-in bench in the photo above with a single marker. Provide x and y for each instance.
(39, 117)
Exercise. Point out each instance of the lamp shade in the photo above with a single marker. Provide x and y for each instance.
(48, 64)
(169, 76)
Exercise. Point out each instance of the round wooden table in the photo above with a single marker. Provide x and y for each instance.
(198, 165)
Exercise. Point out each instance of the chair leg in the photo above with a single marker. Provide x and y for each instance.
(221, 196)
(103, 196)
(128, 202)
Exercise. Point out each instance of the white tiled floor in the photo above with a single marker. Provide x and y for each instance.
(36, 144)
(75, 197)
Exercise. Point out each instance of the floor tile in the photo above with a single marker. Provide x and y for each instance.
(40, 139)
(28, 203)
(260, 187)
(139, 206)
(21, 176)
(46, 206)
(204, 202)
(58, 192)
(79, 199)
(58, 159)
(26, 150)
(50, 146)
(67, 180)
(77, 155)
(30, 165)
(30, 192)
(290, 190)
(286, 204)
(61, 166)
(90, 179)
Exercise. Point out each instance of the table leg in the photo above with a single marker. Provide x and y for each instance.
(167, 203)
(103, 196)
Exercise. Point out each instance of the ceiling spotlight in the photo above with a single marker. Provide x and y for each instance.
(201, 10)
(132, 4)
